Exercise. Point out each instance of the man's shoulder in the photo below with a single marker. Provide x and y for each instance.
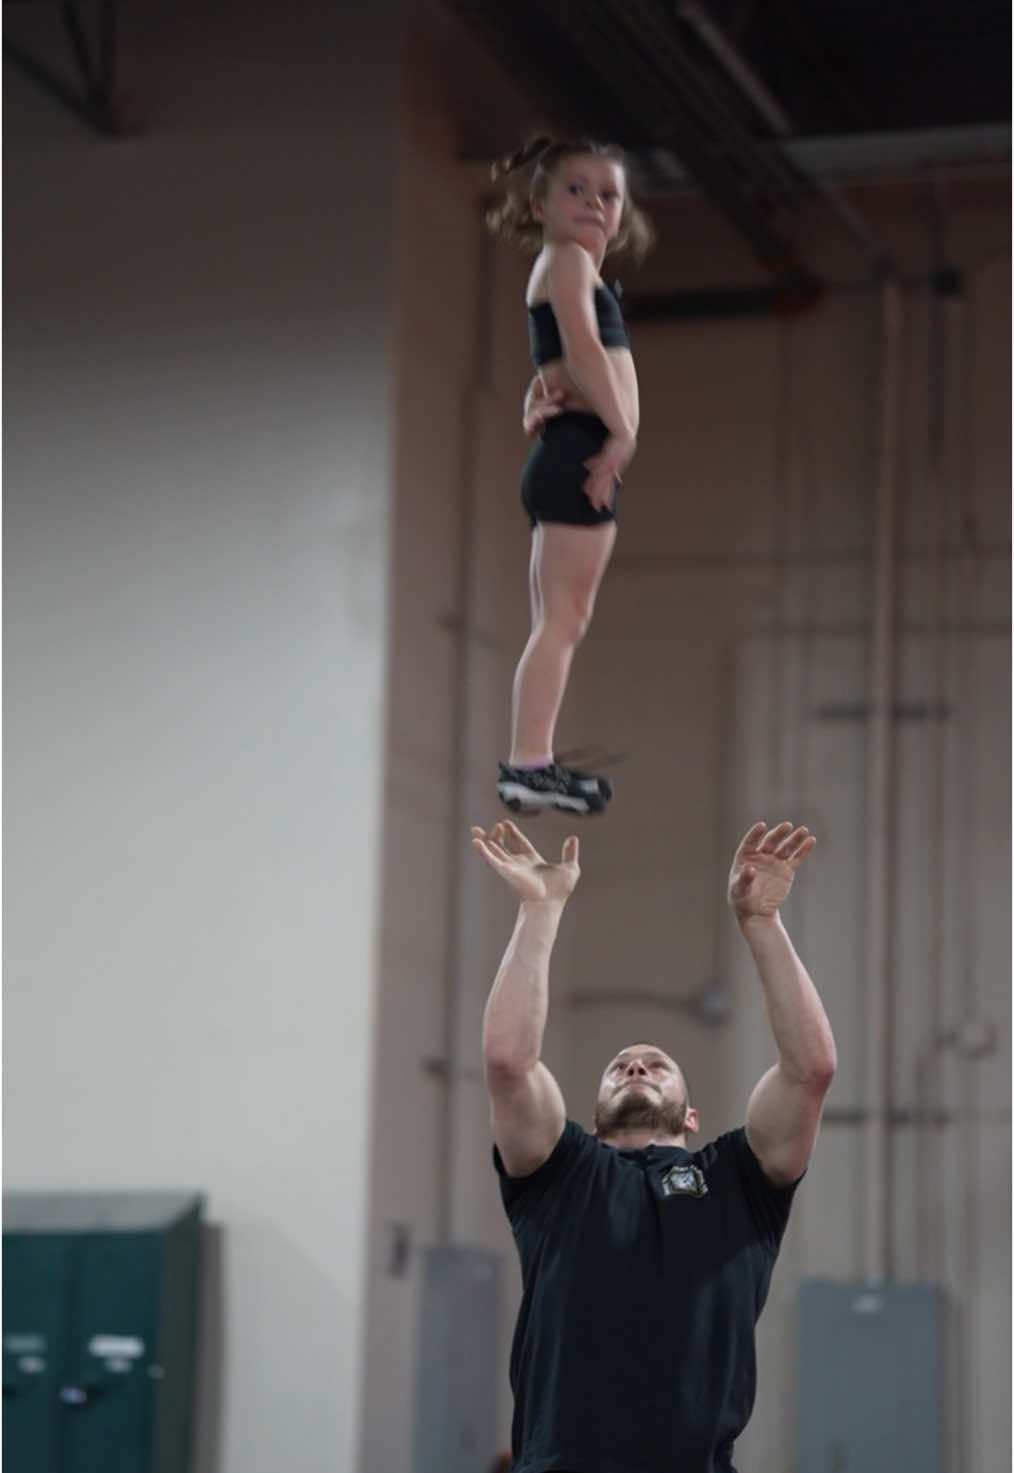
(571, 1141)
(576, 1143)
(728, 1159)
(575, 1147)
(725, 1147)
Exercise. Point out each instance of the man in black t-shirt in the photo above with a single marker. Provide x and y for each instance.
(645, 1264)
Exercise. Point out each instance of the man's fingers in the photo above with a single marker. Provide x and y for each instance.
(494, 857)
(771, 840)
(516, 841)
(802, 850)
(750, 838)
(505, 842)
(490, 846)
(570, 849)
(788, 846)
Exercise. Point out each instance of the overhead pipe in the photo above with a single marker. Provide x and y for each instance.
(775, 116)
(797, 294)
(735, 64)
(652, 100)
(698, 116)
(695, 93)
(669, 103)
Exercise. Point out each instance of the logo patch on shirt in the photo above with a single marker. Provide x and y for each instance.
(684, 1181)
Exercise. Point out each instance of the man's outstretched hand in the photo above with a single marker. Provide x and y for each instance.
(764, 866)
(506, 850)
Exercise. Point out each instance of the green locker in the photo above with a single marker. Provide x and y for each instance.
(100, 1307)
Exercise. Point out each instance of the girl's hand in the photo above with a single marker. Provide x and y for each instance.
(606, 467)
(539, 406)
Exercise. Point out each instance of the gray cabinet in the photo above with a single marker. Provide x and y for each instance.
(870, 1386)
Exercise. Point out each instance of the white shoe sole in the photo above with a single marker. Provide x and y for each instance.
(524, 800)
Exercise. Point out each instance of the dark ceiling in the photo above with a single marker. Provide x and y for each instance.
(755, 103)
(844, 66)
(833, 66)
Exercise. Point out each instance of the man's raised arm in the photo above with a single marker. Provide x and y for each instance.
(527, 1108)
(783, 1115)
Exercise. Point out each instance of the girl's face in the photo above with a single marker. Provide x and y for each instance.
(583, 202)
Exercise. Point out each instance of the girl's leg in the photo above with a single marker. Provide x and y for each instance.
(534, 596)
(566, 570)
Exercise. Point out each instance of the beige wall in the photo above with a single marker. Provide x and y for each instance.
(198, 327)
(733, 623)
(737, 607)
(458, 548)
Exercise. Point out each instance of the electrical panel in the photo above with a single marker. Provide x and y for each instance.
(458, 1359)
(870, 1388)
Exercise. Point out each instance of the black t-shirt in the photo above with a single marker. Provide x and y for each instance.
(644, 1273)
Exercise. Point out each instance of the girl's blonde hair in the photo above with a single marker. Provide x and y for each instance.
(512, 219)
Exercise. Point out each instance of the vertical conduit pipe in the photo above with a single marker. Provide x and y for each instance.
(463, 633)
(968, 1436)
(877, 1226)
(929, 1100)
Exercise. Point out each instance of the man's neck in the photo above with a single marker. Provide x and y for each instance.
(636, 1137)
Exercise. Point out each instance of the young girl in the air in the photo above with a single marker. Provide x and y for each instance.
(584, 398)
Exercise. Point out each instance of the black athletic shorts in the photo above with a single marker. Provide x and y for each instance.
(554, 473)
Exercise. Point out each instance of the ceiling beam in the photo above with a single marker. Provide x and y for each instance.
(95, 100)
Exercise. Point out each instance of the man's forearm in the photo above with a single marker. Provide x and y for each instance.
(798, 1021)
(515, 1017)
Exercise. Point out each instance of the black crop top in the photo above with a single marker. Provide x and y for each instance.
(544, 334)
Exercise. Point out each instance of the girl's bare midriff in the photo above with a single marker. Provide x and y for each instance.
(555, 377)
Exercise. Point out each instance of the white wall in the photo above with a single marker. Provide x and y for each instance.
(198, 335)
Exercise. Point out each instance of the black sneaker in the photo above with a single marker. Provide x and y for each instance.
(591, 754)
(605, 784)
(532, 789)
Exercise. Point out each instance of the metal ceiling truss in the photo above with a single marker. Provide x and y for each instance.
(95, 100)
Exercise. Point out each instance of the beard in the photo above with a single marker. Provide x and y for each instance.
(646, 1111)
